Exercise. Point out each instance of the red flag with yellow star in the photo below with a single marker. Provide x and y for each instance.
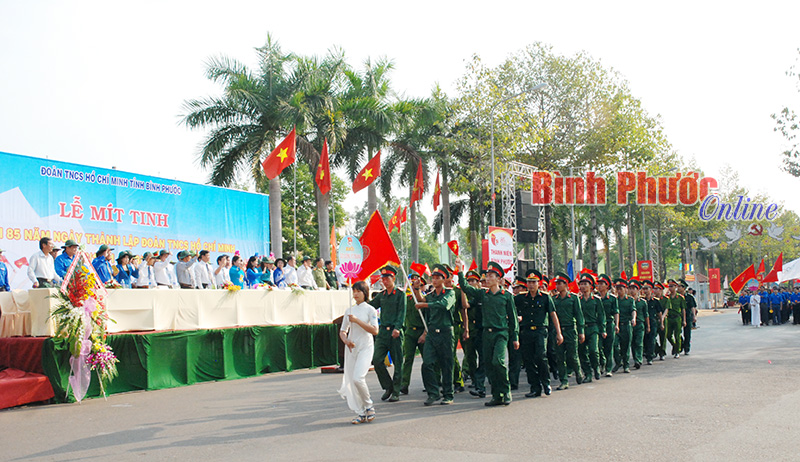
(323, 177)
(417, 190)
(281, 157)
(437, 193)
(368, 174)
(404, 218)
(394, 222)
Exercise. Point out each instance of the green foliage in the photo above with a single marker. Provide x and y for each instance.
(788, 124)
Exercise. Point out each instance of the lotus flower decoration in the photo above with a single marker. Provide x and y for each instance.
(350, 270)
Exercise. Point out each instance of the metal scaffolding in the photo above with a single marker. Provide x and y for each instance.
(512, 172)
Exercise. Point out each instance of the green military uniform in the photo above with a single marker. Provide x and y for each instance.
(499, 325)
(570, 317)
(666, 305)
(330, 278)
(594, 317)
(638, 332)
(534, 309)
(439, 342)
(473, 363)
(622, 347)
(413, 328)
(653, 310)
(611, 309)
(458, 333)
(674, 322)
(393, 314)
(691, 304)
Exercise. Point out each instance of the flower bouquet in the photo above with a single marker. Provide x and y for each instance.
(230, 287)
(296, 289)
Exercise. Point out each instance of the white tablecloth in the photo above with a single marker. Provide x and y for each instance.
(143, 310)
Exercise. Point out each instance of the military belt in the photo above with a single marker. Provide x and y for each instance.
(624, 323)
(495, 329)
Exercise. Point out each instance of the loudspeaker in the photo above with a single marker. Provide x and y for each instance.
(523, 266)
(527, 218)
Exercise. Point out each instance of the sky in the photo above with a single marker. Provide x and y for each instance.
(103, 83)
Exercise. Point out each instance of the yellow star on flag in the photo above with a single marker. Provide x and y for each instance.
(283, 154)
(321, 174)
(367, 174)
(416, 185)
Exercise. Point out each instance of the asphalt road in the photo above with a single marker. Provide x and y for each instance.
(736, 397)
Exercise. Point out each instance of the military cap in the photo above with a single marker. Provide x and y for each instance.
(494, 267)
(521, 281)
(102, 249)
(672, 282)
(647, 283)
(635, 283)
(683, 283)
(621, 282)
(440, 270)
(562, 277)
(388, 270)
(449, 269)
(472, 274)
(658, 285)
(533, 275)
(604, 278)
(69, 243)
(163, 252)
(588, 277)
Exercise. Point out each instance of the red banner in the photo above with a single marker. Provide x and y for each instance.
(644, 270)
(713, 281)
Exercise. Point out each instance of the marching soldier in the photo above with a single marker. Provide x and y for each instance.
(473, 359)
(611, 309)
(392, 303)
(515, 356)
(570, 318)
(676, 318)
(691, 315)
(413, 331)
(460, 327)
(552, 357)
(665, 304)
(653, 320)
(627, 319)
(641, 325)
(438, 306)
(499, 325)
(594, 317)
(535, 309)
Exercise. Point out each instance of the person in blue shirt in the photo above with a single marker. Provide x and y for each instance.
(765, 316)
(278, 276)
(127, 274)
(795, 297)
(775, 300)
(63, 261)
(253, 274)
(4, 287)
(237, 271)
(744, 303)
(266, 271)
(102, 266)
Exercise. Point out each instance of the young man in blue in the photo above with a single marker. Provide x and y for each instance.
(4, 287)
(102, 266)
(63, 261)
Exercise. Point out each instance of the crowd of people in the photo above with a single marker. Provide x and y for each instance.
(766, 305)
(541, 326)
(186, 270)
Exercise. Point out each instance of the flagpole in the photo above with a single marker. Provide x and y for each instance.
(294, 170)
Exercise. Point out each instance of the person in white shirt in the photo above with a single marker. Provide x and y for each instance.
(290, 271)
(305, 275)
(204, 272)
(161, 270)
(755, 308)
(222, 275)
(41, 267)
(146, 277)
(184, 269)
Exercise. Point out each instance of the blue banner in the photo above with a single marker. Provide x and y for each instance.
(95, 206)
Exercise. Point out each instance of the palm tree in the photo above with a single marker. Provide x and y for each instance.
(245, 122)
(370, 120)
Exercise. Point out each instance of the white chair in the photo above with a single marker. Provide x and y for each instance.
(22, 300)
(8, 315)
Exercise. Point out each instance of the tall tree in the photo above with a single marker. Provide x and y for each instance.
(788, 124)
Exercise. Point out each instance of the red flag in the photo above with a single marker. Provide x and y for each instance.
(378, 247)
(453, 246)
(405, 216)
(419, 267)
(473, 266)
(713, 280)
(374, 278)
(773, 274)
(437, 193)
(739, 281)
(761, 270)
(3, 259)
(323, 177)
(281, 157)
(418, 189)
(623, 276)
(21, 262)
(573, 287)
(368, 174)
(395, 221)
(552, 286)
(333, 245)
(427, 270)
